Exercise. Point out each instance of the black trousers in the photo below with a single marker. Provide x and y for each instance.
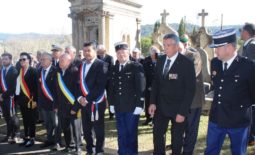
(69, 126)
(98, 127)
(191, 131)
(159, 132)
(29, 117)
(12, 123)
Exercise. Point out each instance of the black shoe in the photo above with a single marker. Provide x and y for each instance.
(4, 140)
(57, 147)
(24, 142)
(30, 143)
(46, 144)
(69, 149)
(169, 147)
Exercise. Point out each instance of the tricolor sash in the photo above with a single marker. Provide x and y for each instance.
(83, 85)
(85, 92)
(45, 88)
(100, 99)
(3, 82)
(69, 96)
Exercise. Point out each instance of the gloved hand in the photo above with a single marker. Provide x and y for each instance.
(112, 109)
(138, 111)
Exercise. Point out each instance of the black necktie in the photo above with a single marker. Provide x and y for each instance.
(166, 69)
(44, 73)
(121, 67)
(225, 67)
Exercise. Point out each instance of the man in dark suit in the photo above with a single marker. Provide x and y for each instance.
(8, 78)
(172, 93)
(47, 98)
(67, 81)
(102, 55)
(248, 36)
(26, 97)
(233, 79)
(127, 84)
(91, 98)
(149, 66)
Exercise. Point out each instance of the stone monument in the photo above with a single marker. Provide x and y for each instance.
(105, 21)
(163, 29)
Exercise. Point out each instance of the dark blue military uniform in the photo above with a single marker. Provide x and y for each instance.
(234, 93)
(233, 81)
(126, 94)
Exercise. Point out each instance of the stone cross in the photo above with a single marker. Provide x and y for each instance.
(164, 14)
(203, 14)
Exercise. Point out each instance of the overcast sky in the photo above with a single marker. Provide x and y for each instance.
(51, 16)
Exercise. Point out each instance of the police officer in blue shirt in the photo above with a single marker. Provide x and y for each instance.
(233, 80)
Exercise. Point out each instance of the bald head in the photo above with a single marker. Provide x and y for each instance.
(64, 61)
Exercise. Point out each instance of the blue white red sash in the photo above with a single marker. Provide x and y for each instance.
(45, 88)
(100, 99)
(85, 92)
(83, 85)
(3, 82)
(65, 90)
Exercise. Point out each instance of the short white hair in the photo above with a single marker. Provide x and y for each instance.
(72, 48)
(100, 47)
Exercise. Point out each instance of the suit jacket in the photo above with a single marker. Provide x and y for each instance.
(234, 93)
(10, 79)
(249, 50)
(149, 72)
(70, 78)
(31, 80)
(51, 82)
(126, 87)
(173, 95)
(108, 59)
(199, 98)
(96, 81)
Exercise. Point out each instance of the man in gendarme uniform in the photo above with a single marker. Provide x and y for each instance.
(233, 80)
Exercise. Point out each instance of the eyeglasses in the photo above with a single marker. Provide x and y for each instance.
(22, 59)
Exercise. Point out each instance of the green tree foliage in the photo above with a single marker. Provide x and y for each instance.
(156, 26)
(146, 43)
(182, 27)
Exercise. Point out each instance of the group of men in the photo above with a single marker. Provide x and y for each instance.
(73, 94)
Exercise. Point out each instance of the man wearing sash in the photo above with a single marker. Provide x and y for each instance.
(8, 76)
(91, 97)
(66, 89)
(26, 91)
(47, 97)
(127, 84)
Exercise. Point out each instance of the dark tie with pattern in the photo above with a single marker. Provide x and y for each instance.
(225, 67)
(166, 69)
